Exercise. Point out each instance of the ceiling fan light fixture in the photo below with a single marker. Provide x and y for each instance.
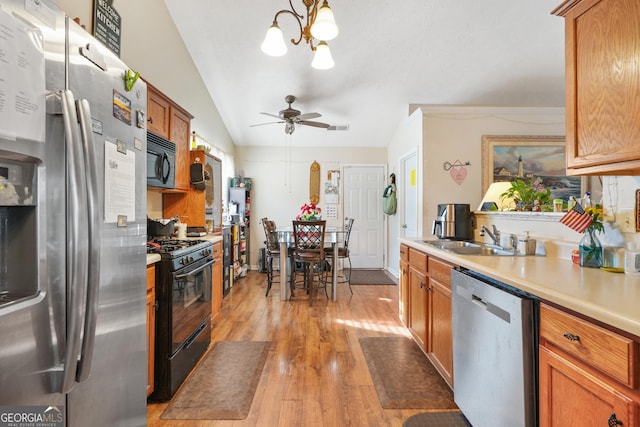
(322, 60)
(324, 26)
(273, 43)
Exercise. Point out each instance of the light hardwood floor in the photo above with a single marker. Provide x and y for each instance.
(316, 375)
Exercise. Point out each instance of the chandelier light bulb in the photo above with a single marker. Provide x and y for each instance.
(324, 27)
(322, 59)
(273, 43)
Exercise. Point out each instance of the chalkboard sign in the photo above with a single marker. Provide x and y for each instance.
(107, 24)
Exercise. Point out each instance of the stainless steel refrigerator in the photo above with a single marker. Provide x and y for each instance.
(72, 225)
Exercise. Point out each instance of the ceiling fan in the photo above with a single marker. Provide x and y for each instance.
(292, 117)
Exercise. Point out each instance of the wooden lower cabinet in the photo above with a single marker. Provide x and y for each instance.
(425, 306)
(418, 306)
(403, 285)
(418, 297)
(569, 396)
(216, 280)
(151, 325)
(440, 348)
(588, 374)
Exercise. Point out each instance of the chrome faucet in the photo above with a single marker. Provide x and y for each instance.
(514, 243)
(495, 235)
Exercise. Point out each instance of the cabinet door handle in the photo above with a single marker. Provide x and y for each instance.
(421, 285)
(150, 119)
(614, 421)
(571, 337)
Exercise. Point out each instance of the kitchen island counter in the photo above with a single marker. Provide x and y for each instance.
(611, 298)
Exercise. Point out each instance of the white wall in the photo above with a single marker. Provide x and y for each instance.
(407, 138)
(152, 45)
(453, 133)
(280, 181)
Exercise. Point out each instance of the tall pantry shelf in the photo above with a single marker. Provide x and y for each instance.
(240, 195)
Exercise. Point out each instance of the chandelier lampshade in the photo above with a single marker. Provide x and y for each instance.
(322, 60)
(273, 43)
(319, 25)
(324, 27)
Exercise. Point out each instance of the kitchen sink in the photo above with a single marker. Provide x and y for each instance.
(470, 248)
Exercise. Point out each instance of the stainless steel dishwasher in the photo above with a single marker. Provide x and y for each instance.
(494, 351)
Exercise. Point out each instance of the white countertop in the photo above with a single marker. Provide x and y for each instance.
(152, 258)
(612, 298)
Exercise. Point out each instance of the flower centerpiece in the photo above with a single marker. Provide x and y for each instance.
(529, 196)
(309, 212)
(590, 247)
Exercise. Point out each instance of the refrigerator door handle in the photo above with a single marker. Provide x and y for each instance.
(93, 282)
(76, 284)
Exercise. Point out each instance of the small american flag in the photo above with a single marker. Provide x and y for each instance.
(577, 219)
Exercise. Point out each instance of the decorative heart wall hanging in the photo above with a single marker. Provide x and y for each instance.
(457, 170)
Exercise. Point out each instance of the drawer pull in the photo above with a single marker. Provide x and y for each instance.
(614, 421)
(571, 337)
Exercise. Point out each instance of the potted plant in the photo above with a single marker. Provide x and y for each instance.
(529, 196)
(309, 212)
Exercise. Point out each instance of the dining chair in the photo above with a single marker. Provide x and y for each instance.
(343, 254)
(308, 249)
(272, 250)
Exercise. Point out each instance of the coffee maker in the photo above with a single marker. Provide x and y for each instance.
(454, 222)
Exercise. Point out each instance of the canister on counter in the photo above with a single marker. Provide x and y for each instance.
(557, 205)
(632, 259)
(528, 245)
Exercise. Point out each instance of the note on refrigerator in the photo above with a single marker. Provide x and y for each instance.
(119, 183)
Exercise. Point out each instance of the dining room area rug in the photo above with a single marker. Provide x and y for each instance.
(403, 376)
(223, 385)
(371, 277)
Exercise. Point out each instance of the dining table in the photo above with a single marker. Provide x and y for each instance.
(285, 238)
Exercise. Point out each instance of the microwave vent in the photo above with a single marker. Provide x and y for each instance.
(160, 141)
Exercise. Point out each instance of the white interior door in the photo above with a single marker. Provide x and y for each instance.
(363, 187)
(408, 195)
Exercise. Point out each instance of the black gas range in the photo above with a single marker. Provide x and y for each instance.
(180, 252)
(183, 314)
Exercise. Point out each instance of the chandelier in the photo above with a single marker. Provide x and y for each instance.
(319, 25)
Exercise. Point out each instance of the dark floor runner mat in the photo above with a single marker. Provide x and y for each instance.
(403, 376)
(223, 385)
(437, 419)
(371, 277)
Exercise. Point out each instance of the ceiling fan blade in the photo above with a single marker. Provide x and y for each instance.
(306, 116)
(314, 124)
(271, 115)
(262, 124)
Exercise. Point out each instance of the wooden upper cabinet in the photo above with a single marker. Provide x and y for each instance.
(158, 114)
(180, 134)
(167, 119)
(602, 40)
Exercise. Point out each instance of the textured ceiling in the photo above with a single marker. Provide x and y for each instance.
(391, 55)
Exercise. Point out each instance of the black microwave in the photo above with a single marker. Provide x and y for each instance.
(161, 162)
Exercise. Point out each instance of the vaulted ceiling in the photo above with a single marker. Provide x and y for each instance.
(389, 54)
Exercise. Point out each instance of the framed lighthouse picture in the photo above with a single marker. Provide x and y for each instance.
(529, 158)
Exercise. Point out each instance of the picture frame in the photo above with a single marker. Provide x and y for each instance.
(510, 157)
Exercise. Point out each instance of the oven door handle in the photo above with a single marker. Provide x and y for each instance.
(196, 271)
